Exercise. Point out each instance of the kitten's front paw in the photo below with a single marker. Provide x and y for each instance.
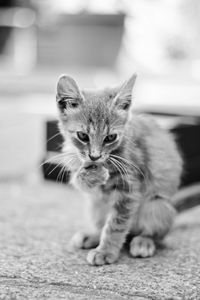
(83, 240)
(88, 178)
(142, 247)
(98, 257)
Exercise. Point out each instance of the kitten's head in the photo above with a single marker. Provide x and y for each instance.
(93, 122)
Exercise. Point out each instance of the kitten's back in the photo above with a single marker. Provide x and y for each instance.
(156, 151)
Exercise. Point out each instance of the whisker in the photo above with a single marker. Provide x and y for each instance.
(71, 160)
(115, 163)
(129, 163)
(62, 162)
(66, 163)
(55, 168)
(123, 168)
(51, 138)
(51, 159)
(126, 174)
(64, 173)
(61, 173)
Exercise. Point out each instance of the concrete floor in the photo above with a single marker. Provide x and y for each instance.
(37, 220)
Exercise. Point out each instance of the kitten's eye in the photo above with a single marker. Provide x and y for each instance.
(69, 102)
(73, 104)
(110, 138)
(83, 136)
(125, 106)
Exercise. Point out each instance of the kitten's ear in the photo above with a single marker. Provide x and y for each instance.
(123, 99)
(68, 93)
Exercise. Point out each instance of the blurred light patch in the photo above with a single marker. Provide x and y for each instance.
(90, 6)
(17, 17)
(24, 18)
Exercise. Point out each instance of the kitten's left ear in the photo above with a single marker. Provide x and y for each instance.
(124, 97)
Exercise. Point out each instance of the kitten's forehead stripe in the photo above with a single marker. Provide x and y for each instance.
(96, 113)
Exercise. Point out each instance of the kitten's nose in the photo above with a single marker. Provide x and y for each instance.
(94, 158)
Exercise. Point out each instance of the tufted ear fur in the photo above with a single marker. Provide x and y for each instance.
(68, 93)
(123, 99)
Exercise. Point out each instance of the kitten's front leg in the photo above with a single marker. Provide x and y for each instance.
(97, 212)
(114, 232)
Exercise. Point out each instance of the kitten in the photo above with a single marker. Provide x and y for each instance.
(127, 165)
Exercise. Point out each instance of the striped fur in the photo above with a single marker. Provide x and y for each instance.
(131, 184)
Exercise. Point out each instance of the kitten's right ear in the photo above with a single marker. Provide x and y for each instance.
(68, 93)
(124, 97)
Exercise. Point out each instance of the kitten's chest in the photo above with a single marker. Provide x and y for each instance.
(117, 182)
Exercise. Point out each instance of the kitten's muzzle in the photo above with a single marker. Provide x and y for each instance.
(94, 158)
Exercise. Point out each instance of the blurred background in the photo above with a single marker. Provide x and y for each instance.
(99, 43)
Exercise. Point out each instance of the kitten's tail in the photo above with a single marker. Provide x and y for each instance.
(187, 197)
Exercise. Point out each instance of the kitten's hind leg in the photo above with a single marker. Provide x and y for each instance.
(82, 240)
(155, 219)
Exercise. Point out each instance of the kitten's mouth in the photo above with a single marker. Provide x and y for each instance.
(90, 166)
(94, 166)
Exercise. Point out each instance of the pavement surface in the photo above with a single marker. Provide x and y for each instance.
(37, 220)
